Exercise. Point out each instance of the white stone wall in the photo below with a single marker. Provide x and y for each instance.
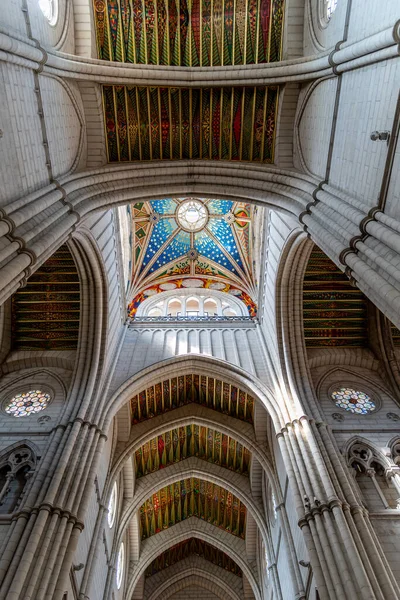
(60, 35)
(103, 227)
(316, 104)
(148, 346)
(22, 156)
(367, 103)
(64, 123)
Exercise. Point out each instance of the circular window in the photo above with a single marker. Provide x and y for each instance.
(112, 506)
(353, 400)
(192, 215)
(120, 565)
(50, 10)
(327, 8)
(27, 403)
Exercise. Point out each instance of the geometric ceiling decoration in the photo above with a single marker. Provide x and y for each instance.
(192, 440)
(153, 123)
(192, 497)
(334, 312)
(186, 389)
(46, 312)
(192, 547)
(189, 32)
(179, 241)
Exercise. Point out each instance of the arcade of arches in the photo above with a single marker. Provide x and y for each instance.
(199, 300)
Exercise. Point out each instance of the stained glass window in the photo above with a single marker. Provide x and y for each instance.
(353, 400)
(112, 506)
(192, 215)
(120, 565)
(27, 403)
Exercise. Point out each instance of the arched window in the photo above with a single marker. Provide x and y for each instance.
(354, 401)
(16, 468)
(328, 7)
(155, 312)
(192, 307)
(120, 565)
(112, 506)
(50, 10)
(174, 307)
(210, 307)
(373, 478)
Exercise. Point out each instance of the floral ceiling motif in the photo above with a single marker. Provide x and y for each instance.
(192, 243)
(192, 498)
(144, 123)
(185, 389)
(189, 32)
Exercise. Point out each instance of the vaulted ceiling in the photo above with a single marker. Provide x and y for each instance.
(334, 312)
(185, 389)
(46, 312)
(189, 32)
(192, 440)
(213, 251)
(152, 123)
(192, 498)
(190, 547)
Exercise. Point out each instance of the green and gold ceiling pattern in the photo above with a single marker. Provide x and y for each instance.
(192, 547)
(192, 498)
(46, 312)
(153, 123)
(191, 440)
(216, 255)
(334, 312)
(186, 389)
(189, 33)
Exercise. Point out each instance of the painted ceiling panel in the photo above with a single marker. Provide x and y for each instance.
(179, 246)
(144, 123)
(334, 312)
(206, 246)
(192, 440)
(192, 498)
(189, 32)
(216, 244)
(190, 547)
(185, 389)
(46, 312)
(161, 231)
(224, 235)
(164, 206)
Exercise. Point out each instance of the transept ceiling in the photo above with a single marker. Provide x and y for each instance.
(190, 547)
(334, 312)
(192, 497)
(186, 389)
(192, 440)
(212, 250)
(189, 33)
(46, 312)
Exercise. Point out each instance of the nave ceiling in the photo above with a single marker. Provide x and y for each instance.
(192, 495)
(190, 547)
(189, 32)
